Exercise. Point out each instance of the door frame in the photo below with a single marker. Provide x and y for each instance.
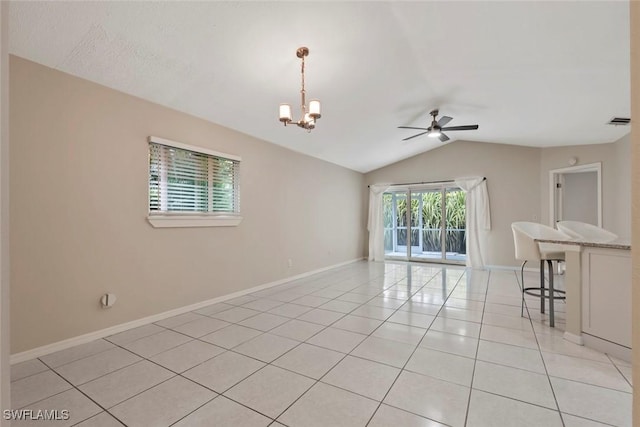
(555, 177)
(5, 368)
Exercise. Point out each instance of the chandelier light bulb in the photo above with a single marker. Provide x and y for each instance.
(285, 113)
(314, 109)
(308, 119)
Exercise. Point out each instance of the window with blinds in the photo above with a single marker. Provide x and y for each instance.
(191, 182)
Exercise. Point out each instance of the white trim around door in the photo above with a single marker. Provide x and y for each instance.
(554, 178)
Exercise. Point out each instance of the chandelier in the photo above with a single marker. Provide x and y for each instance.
(310, 114)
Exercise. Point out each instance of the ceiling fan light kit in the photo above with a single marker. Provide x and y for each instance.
(310, 114)
(437, 126)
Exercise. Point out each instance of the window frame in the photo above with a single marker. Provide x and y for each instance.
(159, 219)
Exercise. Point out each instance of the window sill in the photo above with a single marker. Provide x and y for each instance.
(175, 221)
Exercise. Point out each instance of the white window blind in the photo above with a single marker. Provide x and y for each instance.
(185, 181)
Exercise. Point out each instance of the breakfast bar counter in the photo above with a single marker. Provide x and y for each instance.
(598, 294)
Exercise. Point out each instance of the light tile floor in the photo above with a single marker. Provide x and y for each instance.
(368, 344)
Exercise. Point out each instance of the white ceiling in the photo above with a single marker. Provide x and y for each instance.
(529, 73)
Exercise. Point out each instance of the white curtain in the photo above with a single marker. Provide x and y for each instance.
(478, 218)
(375, 224)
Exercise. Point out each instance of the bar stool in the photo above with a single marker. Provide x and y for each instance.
(527, 249)
(584, 231)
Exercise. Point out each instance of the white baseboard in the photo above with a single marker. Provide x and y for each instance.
(91, 336)
(608, 347)
(576, 339)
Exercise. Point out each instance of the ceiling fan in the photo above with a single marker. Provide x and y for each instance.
(436, 128)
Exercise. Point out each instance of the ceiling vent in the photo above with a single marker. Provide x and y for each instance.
(619, 121)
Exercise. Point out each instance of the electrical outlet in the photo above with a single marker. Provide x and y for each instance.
(290, 263)
(108, 300)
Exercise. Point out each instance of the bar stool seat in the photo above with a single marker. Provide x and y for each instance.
(584, 231)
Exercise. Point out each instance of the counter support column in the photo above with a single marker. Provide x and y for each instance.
(573, 285)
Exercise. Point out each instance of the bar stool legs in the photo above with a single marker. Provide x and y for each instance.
(552, 322)
(543, 291)
(522, 284)
(542, 286)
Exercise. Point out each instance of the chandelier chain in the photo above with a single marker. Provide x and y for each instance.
(302, 91)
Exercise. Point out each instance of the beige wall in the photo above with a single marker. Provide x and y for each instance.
(635, 144)
(616, 187)
(79, 170)
(512, 177)
(518, 181)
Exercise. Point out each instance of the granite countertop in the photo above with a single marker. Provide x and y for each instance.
(614, 244)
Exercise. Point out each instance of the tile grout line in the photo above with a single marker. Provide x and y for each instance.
(102, 376)
(177, 374)
(416, 348)
(544, 363)
(270, 364)
(590, 384)
(116, 345)
(475, 359)
(535, 333)
(316, 381)
(84, 394)
(368, 335)
(324, 327)
(145, 358)
(31, 375)
(107, 410)
(347, 354)
(618, 369)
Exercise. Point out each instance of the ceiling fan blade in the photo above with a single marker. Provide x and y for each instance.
(467, 127)
(443, 137)
(444, 120)
(409, 127)
(418, 134)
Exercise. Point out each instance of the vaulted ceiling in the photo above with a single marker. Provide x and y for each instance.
(543, 73)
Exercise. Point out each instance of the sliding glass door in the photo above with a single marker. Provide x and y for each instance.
(425, 224)
(455, 226)
(395, 224)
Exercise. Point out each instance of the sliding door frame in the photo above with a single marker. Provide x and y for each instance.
(442, 188)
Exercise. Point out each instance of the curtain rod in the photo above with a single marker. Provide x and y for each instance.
(484, 178)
